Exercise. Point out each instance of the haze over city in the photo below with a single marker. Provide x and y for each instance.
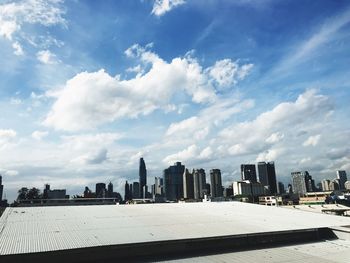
(87, 88)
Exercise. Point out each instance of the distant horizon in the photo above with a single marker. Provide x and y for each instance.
(90, 87)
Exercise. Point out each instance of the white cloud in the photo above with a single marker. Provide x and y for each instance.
(160, 7)
(312, 140)
(275, 137)
(206, 153)
(13, 15)
(95, 157)
(15, 101)
(269, 155)
(90, 99)
(47, 57)
(227, 73)
(189, 153)
(10, 173)
(39, 135)
(88, 142)
(6, 137)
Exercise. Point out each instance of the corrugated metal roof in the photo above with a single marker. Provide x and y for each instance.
(37, 229)
(318, 252)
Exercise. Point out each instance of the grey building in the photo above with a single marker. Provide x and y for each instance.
(188, 185)
(267, 176)
(199, 183)
(136, 190)
(100, 190)
(216, 184)
(142, 177)
(127, 193)
(281, 189)
(341, 175)
(158, 186)
(302, 182)
(173, 181)
(248, 172)
(1, 188)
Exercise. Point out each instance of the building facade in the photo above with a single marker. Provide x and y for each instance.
(248, 172)
(267, 176)
(216, 184)
(302, 182)
(341, 175)
(199, 183)
(188, 185)
(173, 182)
(142, 178)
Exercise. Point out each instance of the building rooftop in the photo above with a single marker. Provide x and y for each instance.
(41, 229)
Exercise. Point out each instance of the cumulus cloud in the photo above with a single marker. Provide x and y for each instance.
(13, 15)
(39, 135)
(312, 140)
(91, 99)
(269, 128)
(227, 72)
(160, 7)
(46, 57)
(6, 137)
(88, 142)
(95, 157)
(189, 153)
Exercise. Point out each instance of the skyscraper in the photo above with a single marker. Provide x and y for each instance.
(188, 185)
(136, 190)
(216, 184)
(110, 190)
(1, 188)
(173, 181)
(302, 182)
(341, 175)
(267, 176)
(158, 186)
(248, 172)
(199, 183)
(100, 190)
(142, 177)
(127, 191)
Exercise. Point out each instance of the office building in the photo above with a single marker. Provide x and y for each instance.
(199, 184)
(302, 182)
(127, 196)
(216, 184)
(281, 189)
(1, 188)
(341, 175)
(173, 181)
(248, 172)
(347, 185)
(142, 178)
(325, 184)
(334, 185)
(136, 190)
(248, 188)
(267, 176)
(188, 184)
(158, 186)
(110, 190)
(100, 190)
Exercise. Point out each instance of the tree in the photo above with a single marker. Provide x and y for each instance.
(22, 193)
(33, 193)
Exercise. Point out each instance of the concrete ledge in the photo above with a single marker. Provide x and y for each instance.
(161, 250)
(342, 232)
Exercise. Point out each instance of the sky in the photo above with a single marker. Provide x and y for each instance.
(89, 87)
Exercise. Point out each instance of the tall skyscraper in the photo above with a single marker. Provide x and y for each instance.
(173, 181)
(216, 184)
(325, 185)
(1, 188)
(267, 176)
(281, 189)
(199, 183)
(302, 182)
(127, 191)
(136, 190)
(100, 190)
(341, 175)
(188, 185)
(248, 172)
(158, 186)
(110, 190)
(142, 177)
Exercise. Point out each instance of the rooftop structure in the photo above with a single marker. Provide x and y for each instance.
(95, 232)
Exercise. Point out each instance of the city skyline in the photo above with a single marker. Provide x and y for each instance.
(212, 85)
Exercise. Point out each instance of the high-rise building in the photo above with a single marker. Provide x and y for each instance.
(325, 185)
(302, 182)
(334, 185)
(199, 183)
(341, 175)
(347, 185)
(188, 184)
(110, 190)
(173, 181)
(281, 189)
(131, 193)
(267, 176)
(248, 172)
(142, 177)
(127, 191)
(248, 188)
(100, 190)
(158, 186)
(136, 190)
(1, 188)
(216, 184)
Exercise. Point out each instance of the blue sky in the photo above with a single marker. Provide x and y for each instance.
(88, 87)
